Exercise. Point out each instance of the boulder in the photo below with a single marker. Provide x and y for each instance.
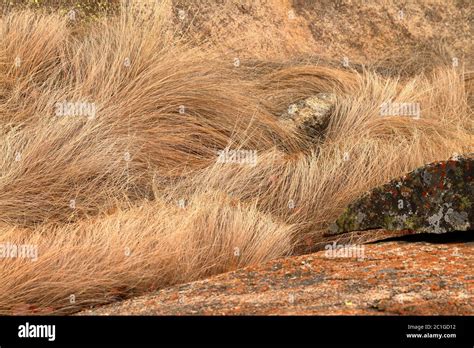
(435, 198)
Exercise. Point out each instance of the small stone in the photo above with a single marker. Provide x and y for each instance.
(311, 115)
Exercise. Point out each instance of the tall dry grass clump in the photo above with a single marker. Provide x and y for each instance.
(134, 251)
(131, 197)
(163, 110)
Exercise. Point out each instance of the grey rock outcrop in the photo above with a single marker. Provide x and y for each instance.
(435, 198)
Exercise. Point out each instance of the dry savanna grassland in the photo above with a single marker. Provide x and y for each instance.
(112, 121)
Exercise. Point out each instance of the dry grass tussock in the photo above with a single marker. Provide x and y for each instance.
(99, 195)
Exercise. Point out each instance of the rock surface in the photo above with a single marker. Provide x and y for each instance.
(311, 115)
(376, 279)
(436, 198)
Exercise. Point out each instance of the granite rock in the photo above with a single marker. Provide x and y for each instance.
(392, 278)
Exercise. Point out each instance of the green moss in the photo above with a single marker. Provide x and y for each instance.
(389, 222)
(347, 221)
(466, 203)
(412, 222)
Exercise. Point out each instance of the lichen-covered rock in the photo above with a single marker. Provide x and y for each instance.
(436, 198)
(311, 115)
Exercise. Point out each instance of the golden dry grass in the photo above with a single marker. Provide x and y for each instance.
(137, 250)
(127, 169)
